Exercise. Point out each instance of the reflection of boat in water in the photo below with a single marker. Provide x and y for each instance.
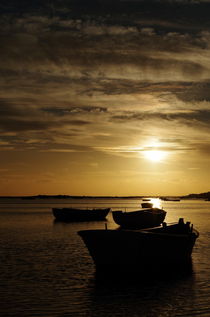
(138, 219)
(152, 249)
(76, 214)
(147, 205)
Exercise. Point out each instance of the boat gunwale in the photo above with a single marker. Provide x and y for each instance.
(82, 209)
(147, 232)
(140, 211)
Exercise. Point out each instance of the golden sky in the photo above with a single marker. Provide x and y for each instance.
(104, 98)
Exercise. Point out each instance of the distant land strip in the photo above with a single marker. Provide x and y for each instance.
(190, 196)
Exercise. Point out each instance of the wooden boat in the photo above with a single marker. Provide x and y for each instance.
(144, 218)
(76, 214)
(147, 205)
(136, 251)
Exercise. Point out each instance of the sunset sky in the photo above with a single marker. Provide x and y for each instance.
(104, 97)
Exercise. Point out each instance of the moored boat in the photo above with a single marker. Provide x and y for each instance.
(76, 214)
(137, 251)
(144, 218)
(146, 205)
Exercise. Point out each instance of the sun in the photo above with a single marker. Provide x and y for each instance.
(154, 155)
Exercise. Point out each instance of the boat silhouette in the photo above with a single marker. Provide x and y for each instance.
(77, 215)
(138, 251)
(138, 219)
(146, 205)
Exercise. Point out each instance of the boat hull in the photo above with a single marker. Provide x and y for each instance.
(77, 215)
(139, 219)
(146, 205)
(136, 251)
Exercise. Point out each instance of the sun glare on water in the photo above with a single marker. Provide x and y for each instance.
(155, 155)
(156, 203)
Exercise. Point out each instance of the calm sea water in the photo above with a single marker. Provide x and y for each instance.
(46, 269)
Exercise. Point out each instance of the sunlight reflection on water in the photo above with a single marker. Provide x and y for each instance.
(156, 203)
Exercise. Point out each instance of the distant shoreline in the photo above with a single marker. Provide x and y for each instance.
(190, 196)
(76, 197)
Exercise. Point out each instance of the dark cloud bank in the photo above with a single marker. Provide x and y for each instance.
(60, 61)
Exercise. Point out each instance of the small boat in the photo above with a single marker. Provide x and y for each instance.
(76, 214)
(144, 218)
(137, 251)
(147, 205)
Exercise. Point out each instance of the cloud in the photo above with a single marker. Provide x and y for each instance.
(191, 117)
(70, 77)
(75, 110)
(24, 117)
(95, 43)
